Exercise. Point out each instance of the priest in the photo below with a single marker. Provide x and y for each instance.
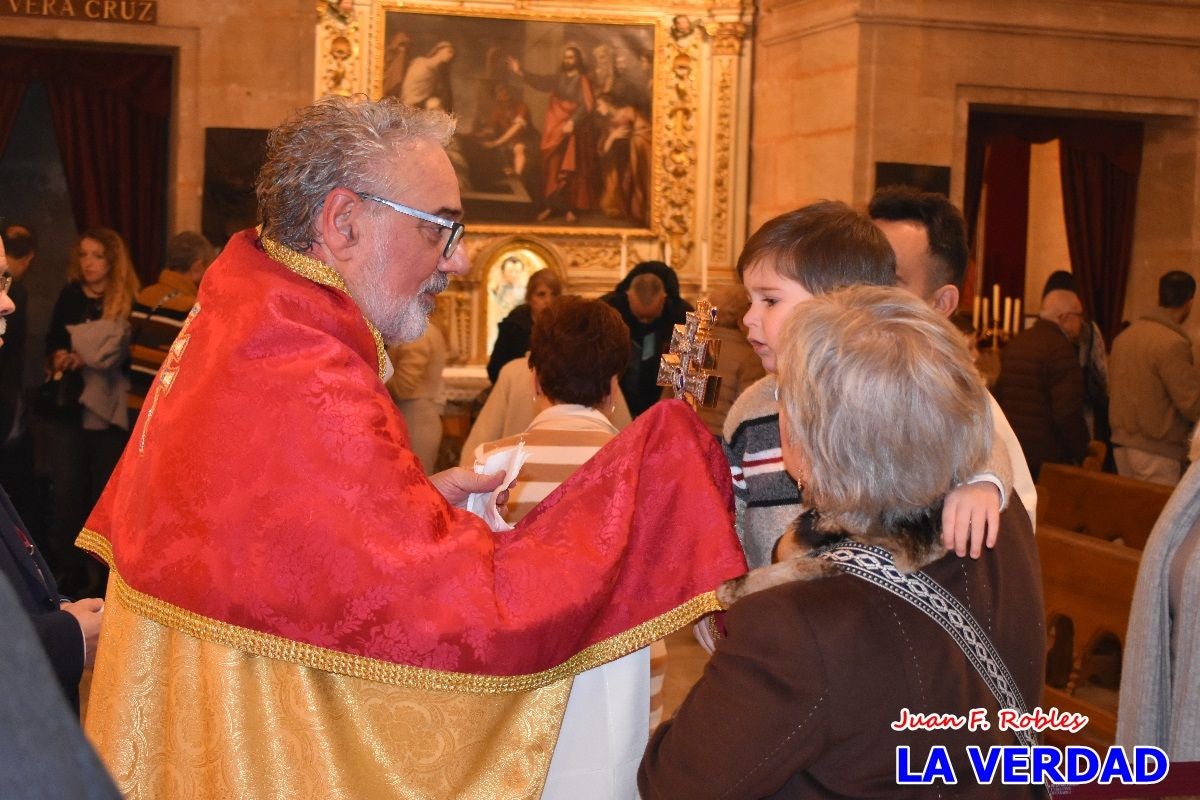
(294, 609)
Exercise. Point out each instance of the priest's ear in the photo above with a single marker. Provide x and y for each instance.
(338, 223)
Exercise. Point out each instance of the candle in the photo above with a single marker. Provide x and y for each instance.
(1007, 315)
(667, 253)
(975, 315)
(624, 254)
(1018, 323)
(704, 266)
(995, 303)
(984, 317)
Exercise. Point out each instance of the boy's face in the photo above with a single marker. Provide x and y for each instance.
(772, 297)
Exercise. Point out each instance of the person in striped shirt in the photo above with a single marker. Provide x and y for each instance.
(160, 309)
(577, 351)
(574, 354)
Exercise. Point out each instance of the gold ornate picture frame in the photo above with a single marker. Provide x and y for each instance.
(560, 122)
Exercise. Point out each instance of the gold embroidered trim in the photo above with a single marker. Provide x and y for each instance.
(318, 271)
(320, 658)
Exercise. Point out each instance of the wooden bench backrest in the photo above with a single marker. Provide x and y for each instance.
(1091, 582)
(1099, 504)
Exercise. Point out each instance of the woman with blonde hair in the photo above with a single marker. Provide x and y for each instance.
(87, 360)
(867, 620)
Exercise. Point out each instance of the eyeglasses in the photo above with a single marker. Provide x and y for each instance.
(6, 282)
(456, 228)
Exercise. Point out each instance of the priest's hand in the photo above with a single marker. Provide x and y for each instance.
(458, 483)
(89, 613)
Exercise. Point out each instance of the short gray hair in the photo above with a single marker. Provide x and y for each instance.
(185, 247)
(336, 141)
(884, 401)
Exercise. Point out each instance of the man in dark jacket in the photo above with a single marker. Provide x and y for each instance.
(651, 311)
(1041, 384)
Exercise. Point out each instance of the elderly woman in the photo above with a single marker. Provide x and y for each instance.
(882, 413)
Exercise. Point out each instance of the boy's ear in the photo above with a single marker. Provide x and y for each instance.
(945, 299)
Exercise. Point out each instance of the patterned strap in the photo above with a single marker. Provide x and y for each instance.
(874, 564)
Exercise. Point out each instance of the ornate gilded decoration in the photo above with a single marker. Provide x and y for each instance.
(326, 660)
(722, 182)
(319, 272)
(726, 37)
(700, 60)
(338, 48)
(677, 195)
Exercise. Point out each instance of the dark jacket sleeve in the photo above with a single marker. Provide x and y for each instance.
(755, 718)
(512, 339)
(65, 313)
(1066, 402)
(63, 640)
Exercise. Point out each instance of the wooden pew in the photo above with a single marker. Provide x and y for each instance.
(1090, 582)
(1099, 504)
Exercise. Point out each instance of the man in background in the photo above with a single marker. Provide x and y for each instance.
(929, 236)
(16, 444)
(649, 302)
(160, 309)
(1155, 387)
(1041, 384)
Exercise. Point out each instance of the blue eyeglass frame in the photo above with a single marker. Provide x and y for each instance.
(457, 229)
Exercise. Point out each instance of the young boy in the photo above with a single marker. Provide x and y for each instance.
(787, 261)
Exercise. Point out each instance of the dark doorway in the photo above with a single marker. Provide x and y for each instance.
(1100, 161)
(109, 115)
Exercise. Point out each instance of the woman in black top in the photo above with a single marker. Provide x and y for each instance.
(512, 336)
(89, 336)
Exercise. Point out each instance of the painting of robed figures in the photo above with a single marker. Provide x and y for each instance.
(554, 117)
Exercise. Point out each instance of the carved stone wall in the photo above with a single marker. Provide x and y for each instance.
(701, 135)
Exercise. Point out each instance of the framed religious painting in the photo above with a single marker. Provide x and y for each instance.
(555, 113)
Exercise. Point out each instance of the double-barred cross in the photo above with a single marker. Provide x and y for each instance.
(694, 351)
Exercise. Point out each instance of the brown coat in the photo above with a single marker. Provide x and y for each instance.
(1041, 391)
(797, 699)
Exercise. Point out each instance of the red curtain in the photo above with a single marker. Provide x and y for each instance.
(1099, 199)
(110, 112)
(12, 92)
(1007, 216)
(1101, 159)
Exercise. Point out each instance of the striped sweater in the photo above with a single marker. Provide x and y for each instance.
(766, 498)
(558, 442)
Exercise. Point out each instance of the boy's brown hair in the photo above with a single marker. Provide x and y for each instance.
(823, 246)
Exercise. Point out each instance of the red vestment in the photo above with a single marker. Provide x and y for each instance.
(272, 488)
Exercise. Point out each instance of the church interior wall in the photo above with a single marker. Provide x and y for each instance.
(805, 110)
(917, 68)
(838, 86)
(239, 65)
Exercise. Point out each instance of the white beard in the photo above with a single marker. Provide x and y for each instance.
(398, 319)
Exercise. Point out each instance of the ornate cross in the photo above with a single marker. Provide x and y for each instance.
(694, 350)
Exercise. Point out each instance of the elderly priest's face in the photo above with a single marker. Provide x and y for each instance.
(404, 267)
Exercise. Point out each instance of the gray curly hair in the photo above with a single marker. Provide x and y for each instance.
(336, 141)
(883, 399)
